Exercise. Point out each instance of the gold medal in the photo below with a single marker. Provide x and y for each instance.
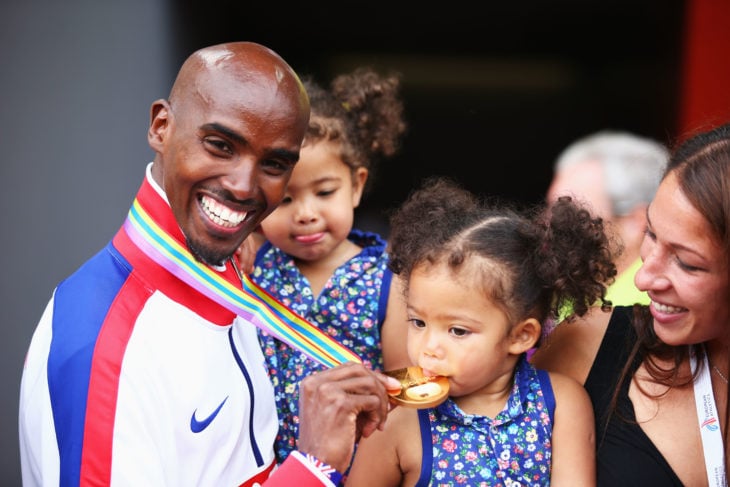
(418, 391)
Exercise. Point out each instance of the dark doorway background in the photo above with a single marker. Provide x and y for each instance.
(492, 91)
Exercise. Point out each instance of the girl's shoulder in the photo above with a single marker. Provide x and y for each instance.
(571, 398)
(565, 387)
(401, 432)
(392, 455)
(402, 419)
(370, 242)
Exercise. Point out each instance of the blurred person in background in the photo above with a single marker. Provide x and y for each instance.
(617, 174)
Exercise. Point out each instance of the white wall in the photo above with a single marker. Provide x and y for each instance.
(76, 81)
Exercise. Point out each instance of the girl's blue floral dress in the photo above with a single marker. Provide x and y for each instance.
(351, 309)
(511, 450)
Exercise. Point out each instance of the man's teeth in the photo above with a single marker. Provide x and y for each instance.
(221, 214)
(664, 308)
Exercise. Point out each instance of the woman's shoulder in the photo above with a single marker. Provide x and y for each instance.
(571, 347)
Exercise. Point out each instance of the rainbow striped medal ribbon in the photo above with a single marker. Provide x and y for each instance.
(250, 301)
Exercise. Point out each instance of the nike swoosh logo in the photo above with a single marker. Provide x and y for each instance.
(196, 426)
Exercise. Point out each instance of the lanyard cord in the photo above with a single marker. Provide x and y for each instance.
(710, 430)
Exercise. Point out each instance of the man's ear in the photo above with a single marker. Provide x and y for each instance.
(524, 336)
(159, 123)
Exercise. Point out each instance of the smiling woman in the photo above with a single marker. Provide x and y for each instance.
(669, 359)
